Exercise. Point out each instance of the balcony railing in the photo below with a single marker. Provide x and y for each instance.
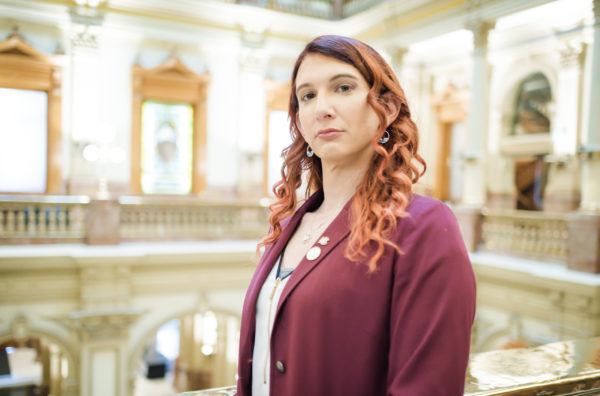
(568, 368)
(324, 9)
(27, 219)
(535, 235)
(60, 219)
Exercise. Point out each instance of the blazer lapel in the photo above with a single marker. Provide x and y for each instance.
(336, 232)
(272, 252)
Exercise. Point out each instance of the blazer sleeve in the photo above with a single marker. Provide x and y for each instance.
(432, 307)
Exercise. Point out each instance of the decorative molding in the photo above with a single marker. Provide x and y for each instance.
(20, 327)
(572, 53)
(102, 325)
(589, 152)
(15, 44)
(526, 145)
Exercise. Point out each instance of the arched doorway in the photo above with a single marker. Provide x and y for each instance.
(193, 351)
(37, 365)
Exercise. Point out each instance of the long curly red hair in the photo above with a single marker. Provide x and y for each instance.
(383, 195)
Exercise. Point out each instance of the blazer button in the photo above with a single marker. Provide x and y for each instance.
(280, 367)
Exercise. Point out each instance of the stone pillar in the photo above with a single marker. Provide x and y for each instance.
(474, 188)
(103, 338)
(563, 188)
(590, 149)
(584, 225)
(103, 222)
(398, 54)
(468, 213)
(251, 128)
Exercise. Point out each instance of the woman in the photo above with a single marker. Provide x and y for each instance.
(365, 289)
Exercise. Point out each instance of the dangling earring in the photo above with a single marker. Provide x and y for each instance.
(309, 152)
(385, 138)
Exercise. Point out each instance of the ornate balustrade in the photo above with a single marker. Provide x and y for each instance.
(524, 233)
(30, 218)
(144, 218)
(26, 219)
(315, 8)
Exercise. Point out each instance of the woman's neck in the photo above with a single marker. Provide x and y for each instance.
(339, 185)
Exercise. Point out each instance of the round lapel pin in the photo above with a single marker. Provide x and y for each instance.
(313, 253)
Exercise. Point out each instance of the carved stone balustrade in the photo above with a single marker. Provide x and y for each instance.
(42, 218)
(528, 234)
(153, 218)
(30, 219)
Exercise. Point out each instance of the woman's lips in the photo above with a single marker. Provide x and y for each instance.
(328, 133)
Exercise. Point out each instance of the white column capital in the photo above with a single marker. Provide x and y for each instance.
(480, 30)
(572, 53)
(398, 54)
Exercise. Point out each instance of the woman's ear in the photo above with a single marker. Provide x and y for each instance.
(391, 105)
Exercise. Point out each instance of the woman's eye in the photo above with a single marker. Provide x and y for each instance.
(307, 96)
(344, 88)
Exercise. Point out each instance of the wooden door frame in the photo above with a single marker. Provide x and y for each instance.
(450, 107)
(173, 82)
(23, 67)
(278, 99)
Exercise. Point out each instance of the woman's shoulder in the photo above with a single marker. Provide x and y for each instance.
(426, 214)
(421, 207)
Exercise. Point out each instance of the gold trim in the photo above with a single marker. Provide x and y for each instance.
(179, 19)
(397, 22)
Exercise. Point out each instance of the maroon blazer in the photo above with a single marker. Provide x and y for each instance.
(339, 331)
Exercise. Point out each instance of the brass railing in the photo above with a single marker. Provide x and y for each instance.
(523, 233)
(568, 368)
(26, 219)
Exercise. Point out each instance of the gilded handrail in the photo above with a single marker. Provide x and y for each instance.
(568, 368)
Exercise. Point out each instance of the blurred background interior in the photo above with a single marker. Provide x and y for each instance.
(139, 140)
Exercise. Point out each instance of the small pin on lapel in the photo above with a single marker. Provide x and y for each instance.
(313, 253)
(324, 241)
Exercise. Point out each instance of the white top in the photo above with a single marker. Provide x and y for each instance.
(266, 306)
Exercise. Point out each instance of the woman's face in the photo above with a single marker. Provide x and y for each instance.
(333, 114)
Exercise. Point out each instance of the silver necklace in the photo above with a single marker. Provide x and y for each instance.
(308, 235)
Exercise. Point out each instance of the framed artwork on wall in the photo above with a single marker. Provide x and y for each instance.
(167, 141)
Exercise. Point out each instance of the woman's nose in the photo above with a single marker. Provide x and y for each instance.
(324, 107)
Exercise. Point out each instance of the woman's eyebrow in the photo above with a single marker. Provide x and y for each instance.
(336, 77)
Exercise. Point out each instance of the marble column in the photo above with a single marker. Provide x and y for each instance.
(252, 110)
(584, 225)
(468, 212)
(474, 188)
(103, 347)
(398, 54)
(562, 193)
(590, 148)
